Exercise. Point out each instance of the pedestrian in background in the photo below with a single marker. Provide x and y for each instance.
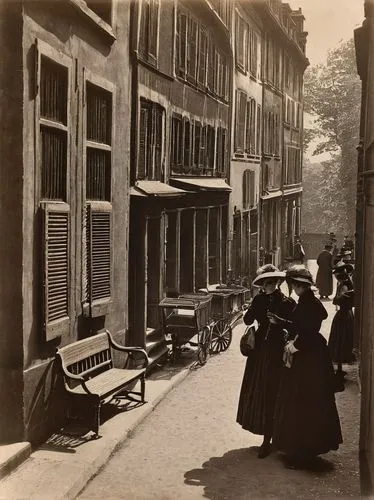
(342, 328)
(306, 418)
(262, 371)
(298, 252)
(324, 274)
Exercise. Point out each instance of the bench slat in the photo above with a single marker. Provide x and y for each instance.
(107, 382)
(83, 349)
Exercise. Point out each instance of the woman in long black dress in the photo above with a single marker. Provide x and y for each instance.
(261, 377)
(341, 335)
(306, 418)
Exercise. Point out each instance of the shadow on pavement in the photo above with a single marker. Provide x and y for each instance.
(239, 474)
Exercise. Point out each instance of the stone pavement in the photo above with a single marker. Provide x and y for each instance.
(188, 447)
(191, 447)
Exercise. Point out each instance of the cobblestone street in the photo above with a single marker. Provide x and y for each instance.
(190, 446)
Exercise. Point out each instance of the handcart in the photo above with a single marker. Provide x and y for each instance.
(227, 308)
(184, 318)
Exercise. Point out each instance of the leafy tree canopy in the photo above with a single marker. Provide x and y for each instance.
(332, 94)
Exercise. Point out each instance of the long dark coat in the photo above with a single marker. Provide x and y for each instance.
(342, 328)
(261, 376)
(324, 274)
(306, 418)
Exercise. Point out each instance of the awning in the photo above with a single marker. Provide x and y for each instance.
(155, 188)
(201, 183)
(272, 194)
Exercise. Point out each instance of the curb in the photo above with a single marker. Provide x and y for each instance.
(77, 488)
(77, 470)
(13, 455)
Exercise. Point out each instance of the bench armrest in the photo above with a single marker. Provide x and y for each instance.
(129, 350)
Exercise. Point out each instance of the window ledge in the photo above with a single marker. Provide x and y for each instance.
(103, 26)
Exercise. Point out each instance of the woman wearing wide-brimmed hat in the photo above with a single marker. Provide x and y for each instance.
(261, 377)
(306, 419)
(341, 335)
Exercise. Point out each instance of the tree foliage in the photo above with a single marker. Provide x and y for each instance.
(332, 94)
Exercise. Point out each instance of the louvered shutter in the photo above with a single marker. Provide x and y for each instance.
(142, 151)
(56, 270)
(99, 250)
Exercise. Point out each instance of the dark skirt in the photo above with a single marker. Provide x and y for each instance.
(260, 386)
(306, 418)
(341, 336)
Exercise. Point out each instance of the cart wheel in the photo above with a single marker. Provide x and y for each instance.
(221, 336)
(204, 343)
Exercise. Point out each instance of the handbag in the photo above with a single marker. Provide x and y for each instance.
(247, 342)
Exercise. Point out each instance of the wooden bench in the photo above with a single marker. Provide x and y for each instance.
(90, 378)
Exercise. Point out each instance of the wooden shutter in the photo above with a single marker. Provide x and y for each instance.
(203, 49)
(192, 50)
(153, 30)
(99, 249)
(182, 29)
(157, 142)
(56, 270)
(143, 146)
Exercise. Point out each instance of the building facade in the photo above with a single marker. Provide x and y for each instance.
(364, 258)
(180, 145)
(246, 140)
(283, 68)
(65, 103)
(267, 134)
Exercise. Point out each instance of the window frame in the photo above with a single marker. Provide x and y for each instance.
(145, 52)
(57, 57)
(101, 307)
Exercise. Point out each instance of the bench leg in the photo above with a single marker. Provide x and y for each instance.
(96, 417)
(142, 386)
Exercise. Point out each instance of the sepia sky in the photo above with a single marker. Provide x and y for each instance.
(328, 22)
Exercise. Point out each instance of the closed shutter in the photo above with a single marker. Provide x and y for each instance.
(203, 49)
(157, 143)
(56, 270)
(143, 146)
(99, 250)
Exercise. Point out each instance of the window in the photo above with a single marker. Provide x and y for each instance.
(98, 143)
(241, 35)
(97, 230)
(249, 194)
(150, 141)
(240, 117)
(176, 141)
(197, 144)
(253, 48)
(251, 127)
(181, 44)
(203, 56)
(221, 151)
(53, 129)
(149, 25)
(192, 51)
(52, 158)
(258, 130)
(103, 8)
(292, 174)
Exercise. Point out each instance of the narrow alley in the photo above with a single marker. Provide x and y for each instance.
(191, 447)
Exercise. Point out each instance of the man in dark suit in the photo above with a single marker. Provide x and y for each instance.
(324, 274)
(298, 252)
